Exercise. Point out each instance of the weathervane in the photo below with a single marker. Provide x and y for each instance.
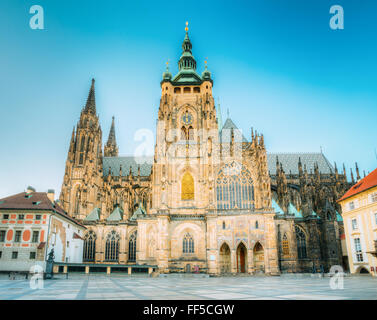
(186, 26)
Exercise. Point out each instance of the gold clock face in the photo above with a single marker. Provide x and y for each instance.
(187, 118)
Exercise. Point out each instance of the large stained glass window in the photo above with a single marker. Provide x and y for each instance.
(234, 188)
(132, 247)
(90, 246)
(112, 246)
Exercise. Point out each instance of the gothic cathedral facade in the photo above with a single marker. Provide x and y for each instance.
(208, 200)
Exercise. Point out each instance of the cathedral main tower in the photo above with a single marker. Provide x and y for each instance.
(187, 130)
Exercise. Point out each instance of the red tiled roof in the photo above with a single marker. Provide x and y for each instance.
(34, 201)
(366, 183)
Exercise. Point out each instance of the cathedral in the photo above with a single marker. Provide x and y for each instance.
(210, 200)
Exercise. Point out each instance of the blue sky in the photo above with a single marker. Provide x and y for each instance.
(276, 65)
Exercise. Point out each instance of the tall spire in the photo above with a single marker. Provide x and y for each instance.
(219, 116)
(111, 149)
(357, 172)
(90, 106)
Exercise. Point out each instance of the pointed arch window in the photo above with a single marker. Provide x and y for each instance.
(190, 133)
(188, 244)
(301, 243)
(89, 251)
(112, 246)
(183, 133)
(81, 153)
(285, 245)
(187, 192)
(132, 247)
(82, 144)
(234, 188)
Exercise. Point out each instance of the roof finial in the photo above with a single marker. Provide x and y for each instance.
(186, 29)
(227, 112)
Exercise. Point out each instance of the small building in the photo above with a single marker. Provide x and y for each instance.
(32, 224)
(359, 211)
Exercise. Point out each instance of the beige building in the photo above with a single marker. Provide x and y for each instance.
(31, 225)
(359, 207)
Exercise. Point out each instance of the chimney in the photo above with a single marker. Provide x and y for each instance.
(51, 195)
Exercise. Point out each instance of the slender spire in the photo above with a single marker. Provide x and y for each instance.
(357, 172)
(90, 106)
(111, 149)
(111, 139)
(219, 116)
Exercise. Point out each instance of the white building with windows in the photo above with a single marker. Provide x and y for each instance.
(359, 207)
(31, 225)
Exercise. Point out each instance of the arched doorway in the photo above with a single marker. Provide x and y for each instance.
(224, 258)
(258, 258)
(241, 258)
(363, 270)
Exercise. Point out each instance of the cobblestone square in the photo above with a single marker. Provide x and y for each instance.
(173, 287)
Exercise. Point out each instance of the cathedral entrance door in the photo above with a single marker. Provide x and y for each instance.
(259, 258)
(241, 258)
(224, 258)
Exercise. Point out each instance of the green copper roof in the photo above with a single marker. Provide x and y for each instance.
(293, 211)
(138, 212)
(315, 215)
(187, 77)
(116, 215)
(277, 208)
(187, 74)
(94, 215)
(339, 218)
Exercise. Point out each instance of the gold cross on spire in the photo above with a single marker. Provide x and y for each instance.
(186, 26)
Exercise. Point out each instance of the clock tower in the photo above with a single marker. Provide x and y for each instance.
(187, 130)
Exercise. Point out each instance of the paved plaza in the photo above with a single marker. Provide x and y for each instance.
(172, 287)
